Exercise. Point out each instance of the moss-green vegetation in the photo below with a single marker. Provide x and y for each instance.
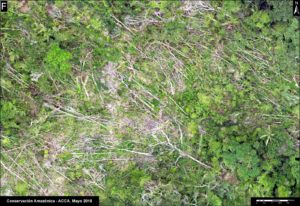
(150, 102)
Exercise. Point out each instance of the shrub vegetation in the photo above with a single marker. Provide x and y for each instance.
(150, 102)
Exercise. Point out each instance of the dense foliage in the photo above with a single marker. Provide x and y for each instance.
(150, 102)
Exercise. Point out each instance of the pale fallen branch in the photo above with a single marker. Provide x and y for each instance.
(121, 23)
(14, 174)
(185, 154)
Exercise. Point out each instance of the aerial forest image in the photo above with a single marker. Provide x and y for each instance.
(150, 103)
